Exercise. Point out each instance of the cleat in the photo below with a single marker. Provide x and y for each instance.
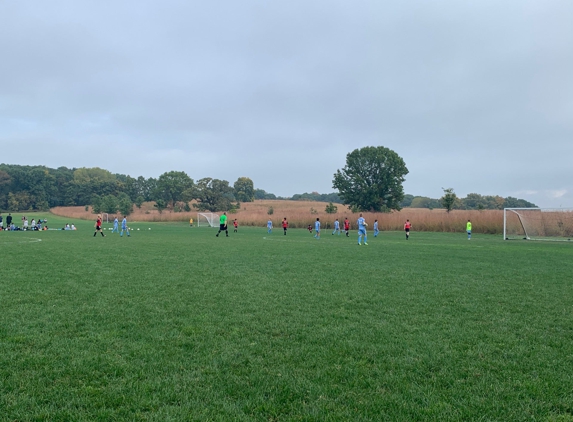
(366, 243)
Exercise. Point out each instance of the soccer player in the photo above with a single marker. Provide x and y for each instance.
(269, 226)
(124, 227)
(115, 226)
(190, 222)
(346, 226)
(235, 225)
(469, 229)
(223, 225)
(309, 228)
(336, 227)
(407, 227)
(317, 228)
(98, 226)
(285, 225)
(376, 231)
(362, 230)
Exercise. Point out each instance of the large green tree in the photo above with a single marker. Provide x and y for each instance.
(171, 185)
(244, 189)
(214, 195)
(372, 179)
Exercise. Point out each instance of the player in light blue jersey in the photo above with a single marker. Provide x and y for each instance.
(317, 228)
(115, 226)
(124, 227)
(362, 230)
(269, 226)
(336, 227)
(376, 231)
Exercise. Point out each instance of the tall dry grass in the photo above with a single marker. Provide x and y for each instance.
(298, 214)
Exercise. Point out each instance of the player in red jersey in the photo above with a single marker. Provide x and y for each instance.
(407, 227)
(98, 226)
(346, 226)
(235, 225)
(285, 225)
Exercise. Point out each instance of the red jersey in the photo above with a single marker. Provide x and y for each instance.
(235, 224)
(408, 225)
(98, 222)
(346, 225)
(285, 224)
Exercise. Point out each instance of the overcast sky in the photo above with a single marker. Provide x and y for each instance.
(474, 95)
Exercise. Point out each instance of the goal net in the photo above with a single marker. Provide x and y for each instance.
(538, 223)
(207, 219)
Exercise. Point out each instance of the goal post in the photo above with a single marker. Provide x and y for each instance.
(538, 223)
(207, 219)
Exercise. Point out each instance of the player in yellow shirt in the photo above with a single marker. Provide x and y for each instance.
(469, 229)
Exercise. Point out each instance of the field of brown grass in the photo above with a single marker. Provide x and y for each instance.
(302, 213)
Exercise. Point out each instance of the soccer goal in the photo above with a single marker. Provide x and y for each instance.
(207, 219)
(538, 224)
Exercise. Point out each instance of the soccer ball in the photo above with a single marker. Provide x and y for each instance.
(138, 229)
(150, 228)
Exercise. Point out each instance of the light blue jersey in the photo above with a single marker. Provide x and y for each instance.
(317, 229)
(269, 226)
(376, 231)
(362, 230)
(124, 227)
(336, 227)
(115, 226)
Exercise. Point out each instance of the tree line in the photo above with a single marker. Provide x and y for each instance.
(371, 181)
(473, 201)
(40, 188)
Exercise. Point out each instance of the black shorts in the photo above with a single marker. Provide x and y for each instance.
(407, 230)
(222, 227)
(98, 228)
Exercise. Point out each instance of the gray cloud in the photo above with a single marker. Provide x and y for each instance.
(476, 96)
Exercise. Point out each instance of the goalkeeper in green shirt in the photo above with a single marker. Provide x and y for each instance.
(223, 225)
(469, 229)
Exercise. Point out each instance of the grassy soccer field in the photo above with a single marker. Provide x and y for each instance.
(176, 324)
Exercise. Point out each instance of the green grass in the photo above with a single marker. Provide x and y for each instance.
(175, 324)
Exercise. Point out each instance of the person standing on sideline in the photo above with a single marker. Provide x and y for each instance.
(124, 227)
(223, 225)
(190, 222)
(235, 225)
(376, 231)
(336, 227)
(362, 230)
(26, 224)
(269, 226)
(115, 225)
(9, 220)
(407, 227)
(1, 222)
(98, 226)
(285, 225)
(469, 229)
(346, 226)
(317, 228)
